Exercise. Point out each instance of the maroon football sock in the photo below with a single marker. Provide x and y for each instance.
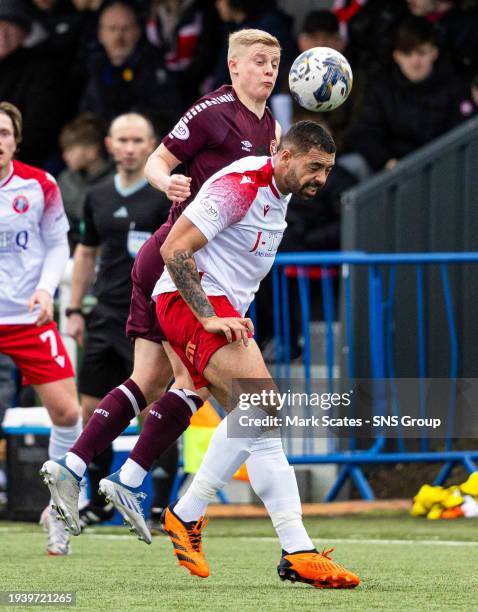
(168, 418)
(109, 420)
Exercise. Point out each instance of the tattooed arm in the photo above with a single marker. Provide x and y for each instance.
(178, 254)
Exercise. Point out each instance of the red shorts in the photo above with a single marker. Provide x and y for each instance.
(38, 352)
(194, 345)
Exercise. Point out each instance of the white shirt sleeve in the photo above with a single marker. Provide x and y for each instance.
(224, 202)
(54, 232)
(54, 263)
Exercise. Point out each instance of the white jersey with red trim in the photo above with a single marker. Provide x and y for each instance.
(242, 214)
(31, 217)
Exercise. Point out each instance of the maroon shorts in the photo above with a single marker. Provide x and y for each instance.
(148, 267)
(38, 352)
(194, 345)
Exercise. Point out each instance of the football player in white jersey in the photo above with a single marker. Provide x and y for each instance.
(33, 254)
(216, 254)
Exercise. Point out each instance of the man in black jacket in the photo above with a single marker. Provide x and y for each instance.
(408, 106)
(33, 82)
(128, 74)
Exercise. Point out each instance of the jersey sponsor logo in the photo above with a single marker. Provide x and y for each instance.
(210, 208)
(121, 213)
(266, 244)
(11, 241)
(246, 145)
(273, 147)
(246, 179)
(20, 204)
(267, 207)
(180, 130)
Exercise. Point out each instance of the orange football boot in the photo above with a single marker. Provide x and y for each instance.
(316, 569)
(452, 513)
(186, 539)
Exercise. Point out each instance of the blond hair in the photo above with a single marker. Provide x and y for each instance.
(16, 116)
(247, 38)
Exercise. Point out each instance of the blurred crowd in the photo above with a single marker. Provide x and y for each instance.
(71, 66)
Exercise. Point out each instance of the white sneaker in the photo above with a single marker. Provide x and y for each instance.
(64, 487)
(58, 537)
(127, 500)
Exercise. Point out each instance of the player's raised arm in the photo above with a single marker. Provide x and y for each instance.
(158, 170)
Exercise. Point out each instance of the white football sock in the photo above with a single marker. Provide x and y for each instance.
(75, 464)
(274, 481)
(132, 474)
(61, 439)
(223, 458)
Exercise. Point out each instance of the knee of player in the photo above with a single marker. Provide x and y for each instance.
(66, 415)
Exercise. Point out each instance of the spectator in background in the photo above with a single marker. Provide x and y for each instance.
(32, 81)
(456, 29)
(87, 163)
(409, 106)
(371, 34)
(468, 107)
(240, 14)
(129, 73)
(188, 35)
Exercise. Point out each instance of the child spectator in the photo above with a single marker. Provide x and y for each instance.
(84, 153)
(409, 106)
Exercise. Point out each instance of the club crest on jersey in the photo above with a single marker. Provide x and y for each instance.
(273, 147)
(20, 204)
(181, 130)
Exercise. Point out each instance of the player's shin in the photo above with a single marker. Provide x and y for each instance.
(111, 417)
(223, 458)
(168, 418)
(274, 481)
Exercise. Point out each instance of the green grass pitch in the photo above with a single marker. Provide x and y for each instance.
(404, 564)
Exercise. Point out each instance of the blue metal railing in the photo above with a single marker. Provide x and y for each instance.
(381, 326)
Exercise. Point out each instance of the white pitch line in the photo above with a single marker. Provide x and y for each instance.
(373, 541)
(111, 536)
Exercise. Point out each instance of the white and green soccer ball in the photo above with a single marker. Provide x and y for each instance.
(320, 79)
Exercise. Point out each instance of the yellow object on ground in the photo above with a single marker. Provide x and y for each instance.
(457, 501)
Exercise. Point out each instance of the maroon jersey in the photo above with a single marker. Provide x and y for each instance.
(213, 133)
(217, 130)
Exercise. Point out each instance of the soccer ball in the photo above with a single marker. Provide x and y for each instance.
(320, 79)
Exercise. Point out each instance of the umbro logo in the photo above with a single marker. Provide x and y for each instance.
(121, 213)
(246, 145)
(246, 179)
(266, 209)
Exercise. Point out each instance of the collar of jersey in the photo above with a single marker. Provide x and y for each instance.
(282, 196)
(8, 177)
(127, 191)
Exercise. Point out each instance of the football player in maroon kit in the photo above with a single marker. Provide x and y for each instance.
(223, 126)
